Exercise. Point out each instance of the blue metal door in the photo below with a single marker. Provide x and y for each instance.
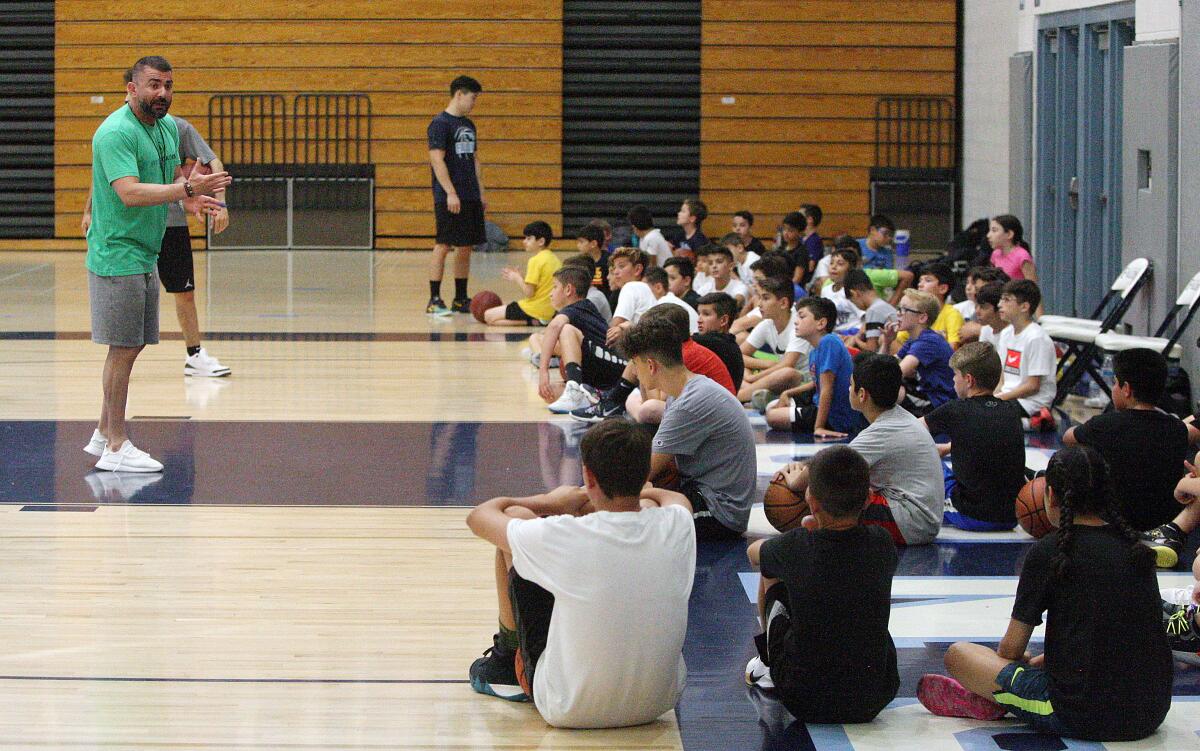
(1078, 223)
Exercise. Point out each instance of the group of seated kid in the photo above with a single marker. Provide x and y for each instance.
(684, 340)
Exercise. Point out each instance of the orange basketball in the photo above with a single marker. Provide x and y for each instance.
(784, 508)
(669, 480)
(1031, 507)
(482, 302)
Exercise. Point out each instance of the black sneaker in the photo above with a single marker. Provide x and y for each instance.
(1166, 540)
(607, 407)
(495, 674)
(461, 305)
(1179, 621)
(436, 307)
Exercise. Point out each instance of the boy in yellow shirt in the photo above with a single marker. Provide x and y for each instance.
(534, 309)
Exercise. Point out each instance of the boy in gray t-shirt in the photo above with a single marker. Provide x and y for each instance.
(907, 479)
(861, 291)
(704, 435)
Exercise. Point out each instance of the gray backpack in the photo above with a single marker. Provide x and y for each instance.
(497, 241)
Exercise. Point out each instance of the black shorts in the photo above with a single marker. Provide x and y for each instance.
(532, 607)
(804, 414)
(707, 526)
(462, 229)
(175, 261)
(513, 312)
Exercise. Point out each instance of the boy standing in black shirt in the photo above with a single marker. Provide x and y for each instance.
(458, 197)
(1144, 446)
(824, 599)
(986, 441)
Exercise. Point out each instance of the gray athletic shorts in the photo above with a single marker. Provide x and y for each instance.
(124, 309)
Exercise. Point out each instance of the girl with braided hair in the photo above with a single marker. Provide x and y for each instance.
(1106, 672)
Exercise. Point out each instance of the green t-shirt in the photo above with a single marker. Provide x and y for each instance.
(124, 240)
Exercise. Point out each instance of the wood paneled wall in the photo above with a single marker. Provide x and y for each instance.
(403, 53)
(804, 76)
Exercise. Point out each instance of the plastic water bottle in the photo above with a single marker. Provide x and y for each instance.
(902, 248)
(1106, 370)
(1096, 397)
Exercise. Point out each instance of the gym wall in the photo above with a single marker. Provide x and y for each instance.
(803, 76)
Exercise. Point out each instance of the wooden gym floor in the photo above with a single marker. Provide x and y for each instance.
(300, 576)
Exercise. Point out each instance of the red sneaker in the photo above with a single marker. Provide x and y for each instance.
(1043, 421)
(946, 697)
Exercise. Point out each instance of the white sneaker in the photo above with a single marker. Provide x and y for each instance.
(95, 447)
(204, 364)
(574, 396)
(758, 674)
(535, 359)
(119, 487)
(129, 459)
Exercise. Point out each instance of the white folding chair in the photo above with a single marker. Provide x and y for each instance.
(1079, 334)
(1166, 339)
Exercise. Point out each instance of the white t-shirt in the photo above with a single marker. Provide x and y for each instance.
(1030, 353)
(986, 334)
(634, 299)
(743, 269)
(656, 245)
(822, 271)
(699, 281)
(967, 308)
(849, 315)
(621, 582)
(733, 288)
(693, 318)
(764, 336)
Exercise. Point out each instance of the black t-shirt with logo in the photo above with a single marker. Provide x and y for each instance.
(1106, 651)
(456, 137)
(988, 451)
(841, 663)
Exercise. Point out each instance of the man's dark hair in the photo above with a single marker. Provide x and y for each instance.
(812, 211)
(676, 316)
(617, 452)
(723, 304)
(746, 215)
(641, 218)
(822, 308)
(840, 480)
(592, 234)
(465, 83)
(584, 262)
(857, 279)
(655, 275)
(779, 287)
(774, 263)
(796, 219)
(675, 236)
(575, 277)
(880, 221)
(732, 238)
(942, 272)
(1144, 370)
(128, 75)
(540, 230)
(698, 209)
(154, 62)
(682, 265)
(847, 241)
(657, 338)
(989, 294)
(881, 377)
(1024, 290)
(988, 274)
(719, 250)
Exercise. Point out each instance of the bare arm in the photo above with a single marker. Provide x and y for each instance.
(437, 160)
(87, 213)
(1015, 641)
(479, 179)
(908, 366)
(662, 498)
(489, 521)
(905, 281)
(824, 405)
(1027, 387)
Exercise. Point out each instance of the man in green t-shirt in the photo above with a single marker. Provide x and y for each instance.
(135, 174)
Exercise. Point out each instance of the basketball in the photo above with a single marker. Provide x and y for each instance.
(482, 302)
(784, 509)
(1031, 508)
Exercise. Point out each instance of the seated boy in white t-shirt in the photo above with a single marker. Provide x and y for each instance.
(771, 264)
(722, 275)
(593, 586)
(1028, 356)
(775, 358)
(626, 267)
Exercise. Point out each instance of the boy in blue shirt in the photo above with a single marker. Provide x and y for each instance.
(826, 411)
(925, 357)
(877, 245)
